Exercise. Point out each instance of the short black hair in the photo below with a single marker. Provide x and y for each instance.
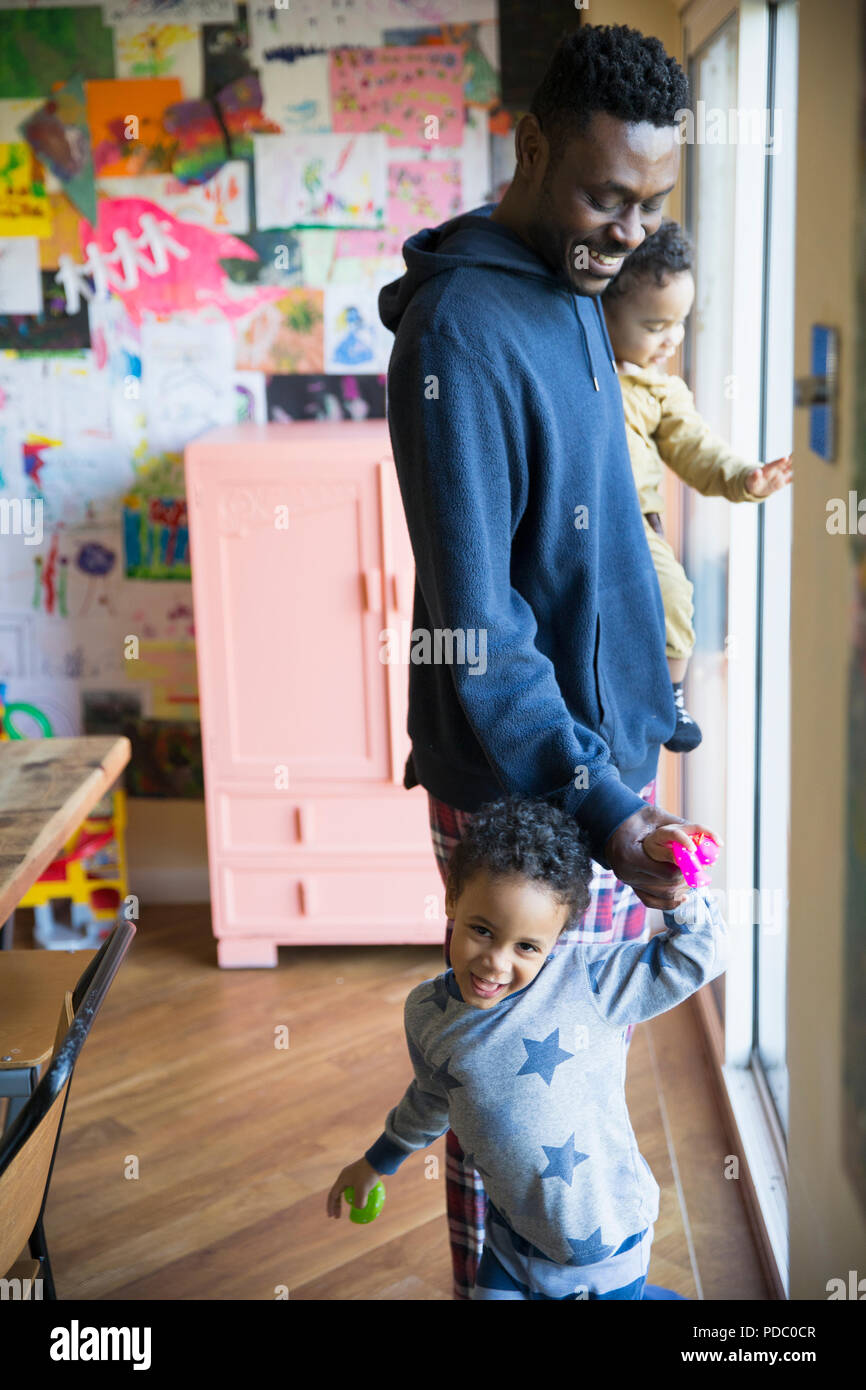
(612, 68)
(525, 837)
(667, 252)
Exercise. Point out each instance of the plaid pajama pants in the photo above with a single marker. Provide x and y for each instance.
(615, 913)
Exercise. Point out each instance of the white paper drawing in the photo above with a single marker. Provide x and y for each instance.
(187, 379)
(355, 338)
(221, 204)
(250, 398)
(320, 180)
(297, 95)
(180, 11)
(332, 23)
(20, 278)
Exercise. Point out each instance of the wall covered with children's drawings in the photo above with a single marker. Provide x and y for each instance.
(199, 202)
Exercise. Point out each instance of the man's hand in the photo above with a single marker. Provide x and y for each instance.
(360, 1176)
(769, 477)
(657, 883)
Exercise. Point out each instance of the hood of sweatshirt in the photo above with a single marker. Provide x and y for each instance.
(472, 239)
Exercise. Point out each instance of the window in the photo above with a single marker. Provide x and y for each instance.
(739, 360)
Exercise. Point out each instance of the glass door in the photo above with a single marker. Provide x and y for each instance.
(740, 188)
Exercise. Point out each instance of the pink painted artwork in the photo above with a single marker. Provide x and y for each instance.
(153, 261)
(397, 90)
(421, 193)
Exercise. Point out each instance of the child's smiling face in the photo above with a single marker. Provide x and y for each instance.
(646, 322)
(504, 930)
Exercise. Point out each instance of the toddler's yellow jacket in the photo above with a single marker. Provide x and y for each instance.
(663, 426)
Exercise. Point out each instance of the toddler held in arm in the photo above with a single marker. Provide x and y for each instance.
(645, 309)
(520, 1048)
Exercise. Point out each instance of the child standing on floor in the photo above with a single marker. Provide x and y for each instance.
(645, 308)
(520, 1048)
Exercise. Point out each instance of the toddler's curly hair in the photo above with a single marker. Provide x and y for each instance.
(665, 253)
(525, 837)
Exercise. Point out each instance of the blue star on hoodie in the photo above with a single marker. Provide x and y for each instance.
(561, 1162)
(542, 1058)
(591, 1250)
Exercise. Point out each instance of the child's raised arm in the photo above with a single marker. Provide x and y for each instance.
(634, 981)
(702, 458)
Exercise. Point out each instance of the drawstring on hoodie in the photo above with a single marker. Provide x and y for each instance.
(604, 332)
(587, 350)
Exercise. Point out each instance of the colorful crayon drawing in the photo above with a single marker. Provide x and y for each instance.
(58, 328)
(204, 142)
(319, 180)
(183, 11)
(221, 204)
(24, 207)
(59, 136)
(355, 338)
(281, 260)
(170, 669)
(50, 574)
(398, 91)
(166, 758)
(155, 532)
(156, 537)
(64, 238)
(326, 397)
(125, 120)
(43, 47)
(286, 335)
(159, 50)
(421, 193)
(479, 43)
(96, 561)
(153, 261)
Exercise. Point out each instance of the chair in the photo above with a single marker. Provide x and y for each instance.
(31, 984)
(28, 1148)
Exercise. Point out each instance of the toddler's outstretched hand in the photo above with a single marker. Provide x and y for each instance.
(359, 1175)
(770, 477)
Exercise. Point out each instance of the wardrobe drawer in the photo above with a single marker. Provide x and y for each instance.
(343, 824)
(268, 898)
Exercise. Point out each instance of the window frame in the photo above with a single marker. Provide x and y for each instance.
(746, 1094)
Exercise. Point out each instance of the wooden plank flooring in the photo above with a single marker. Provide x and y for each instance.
(237, 1140)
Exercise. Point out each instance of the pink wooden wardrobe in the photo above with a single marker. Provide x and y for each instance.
(300, 561)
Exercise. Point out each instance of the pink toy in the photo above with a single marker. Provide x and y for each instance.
(691, 863)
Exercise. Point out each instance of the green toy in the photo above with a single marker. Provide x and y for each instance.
(375, 1203)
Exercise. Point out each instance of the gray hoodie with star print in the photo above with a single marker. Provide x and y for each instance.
(534, 1086)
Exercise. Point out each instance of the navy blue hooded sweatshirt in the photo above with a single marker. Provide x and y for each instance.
(507, 427)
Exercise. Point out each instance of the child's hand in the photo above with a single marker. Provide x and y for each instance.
(769, 477)
(359, 1175)
(656, 844)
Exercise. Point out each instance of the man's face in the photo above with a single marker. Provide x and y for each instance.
(603, 197)
(504, 930)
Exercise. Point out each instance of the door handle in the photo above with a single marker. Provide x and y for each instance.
(819, 392)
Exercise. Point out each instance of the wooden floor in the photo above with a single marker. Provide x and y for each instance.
(236, 1140)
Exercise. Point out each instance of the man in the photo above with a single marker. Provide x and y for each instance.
(506, 420)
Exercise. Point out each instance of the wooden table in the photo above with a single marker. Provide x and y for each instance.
(47, 788)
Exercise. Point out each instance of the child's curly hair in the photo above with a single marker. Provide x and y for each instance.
(525, 837)
(667, 252)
